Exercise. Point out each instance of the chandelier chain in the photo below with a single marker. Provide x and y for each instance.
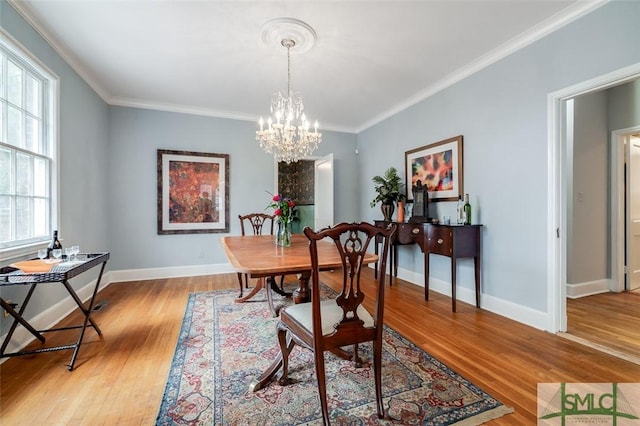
(288, 46)
(287, 135)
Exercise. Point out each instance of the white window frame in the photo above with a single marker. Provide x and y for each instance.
(51, 139)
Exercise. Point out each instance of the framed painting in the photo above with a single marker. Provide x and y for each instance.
(438, 167)
(193, 192)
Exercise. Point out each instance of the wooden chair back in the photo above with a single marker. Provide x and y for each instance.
(331, 324)
(260, 223)
(352, 242)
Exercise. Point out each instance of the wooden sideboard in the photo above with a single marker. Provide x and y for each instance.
(454, 241)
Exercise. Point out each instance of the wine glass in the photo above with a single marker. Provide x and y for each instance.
(68, 251)
(76, 250)
(57, 253)
(42, 253)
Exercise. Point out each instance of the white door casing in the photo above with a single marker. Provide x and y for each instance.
(633, 212)
(323, 192)
(557, 187)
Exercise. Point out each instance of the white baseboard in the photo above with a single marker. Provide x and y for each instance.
(575, 291)
(170, 272)
(57, 312)
(519, 313)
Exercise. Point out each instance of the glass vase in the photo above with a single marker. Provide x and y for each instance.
(283, 234)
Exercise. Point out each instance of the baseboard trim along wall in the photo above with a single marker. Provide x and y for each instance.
(169, 272)
(56, 313)
(575, 291)
(519, 313)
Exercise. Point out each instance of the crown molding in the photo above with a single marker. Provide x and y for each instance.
(26, 12)
(544, 28)
(559, 20)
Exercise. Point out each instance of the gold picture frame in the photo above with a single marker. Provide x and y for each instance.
(437, 166)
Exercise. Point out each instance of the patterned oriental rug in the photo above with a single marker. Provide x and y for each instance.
(224, 345)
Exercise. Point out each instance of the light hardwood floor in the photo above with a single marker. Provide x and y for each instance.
(119, 379)
(611, 320)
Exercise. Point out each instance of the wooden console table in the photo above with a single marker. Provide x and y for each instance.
(454, 241)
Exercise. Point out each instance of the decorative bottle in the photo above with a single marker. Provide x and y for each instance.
(467, 210)
(54, 244)
(460, 211)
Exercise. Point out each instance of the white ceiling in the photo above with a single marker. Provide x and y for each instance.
(370, 60)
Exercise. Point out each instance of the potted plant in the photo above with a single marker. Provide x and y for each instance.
(390, 190)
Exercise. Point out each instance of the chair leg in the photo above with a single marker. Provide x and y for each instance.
(286, 345)
(270, 281)
(246, 281)
(240, 282)
(377, 373)
(279, 290)
(357, 361)
(322, 386)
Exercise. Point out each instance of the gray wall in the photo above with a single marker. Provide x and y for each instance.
(108, 173)
(502, 113)
(83, 144)
(596, 116)
(624, 106)
(588, 234)
(136, 134)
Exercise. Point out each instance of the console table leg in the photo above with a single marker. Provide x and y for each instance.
(393, 269)
(375, 265)
(453, 283)
(476, 267)
(426, 276)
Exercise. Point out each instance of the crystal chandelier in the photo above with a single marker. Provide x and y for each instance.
(287, 134)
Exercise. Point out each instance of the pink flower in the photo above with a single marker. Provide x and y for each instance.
(284, 208)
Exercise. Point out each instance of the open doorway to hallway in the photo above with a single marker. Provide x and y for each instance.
(602, 208)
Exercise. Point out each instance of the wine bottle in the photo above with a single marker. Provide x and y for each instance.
(460, 211)
(54, 244)
(467, 210)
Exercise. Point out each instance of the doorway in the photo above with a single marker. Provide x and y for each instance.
(561, 196)
(633, 213)
(625, 209)
(310, 182)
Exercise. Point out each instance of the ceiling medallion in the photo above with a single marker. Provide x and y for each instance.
(276, 30)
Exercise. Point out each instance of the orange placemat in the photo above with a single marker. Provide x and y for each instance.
(34, 266)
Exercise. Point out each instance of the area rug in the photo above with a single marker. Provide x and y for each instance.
(223, 346)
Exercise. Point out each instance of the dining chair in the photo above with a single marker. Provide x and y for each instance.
(328, 325)
(260, 224)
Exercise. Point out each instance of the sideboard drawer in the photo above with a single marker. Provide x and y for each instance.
(409, 233)
(440, 240)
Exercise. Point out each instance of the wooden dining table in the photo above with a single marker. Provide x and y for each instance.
(259, 257)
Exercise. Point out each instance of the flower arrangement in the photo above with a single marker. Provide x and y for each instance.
(285, 209)
(286, 213)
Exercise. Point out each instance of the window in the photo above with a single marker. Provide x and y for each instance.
(27, 149)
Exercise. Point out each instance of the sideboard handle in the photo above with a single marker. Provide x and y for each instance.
(415, 231)
(440, 241)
